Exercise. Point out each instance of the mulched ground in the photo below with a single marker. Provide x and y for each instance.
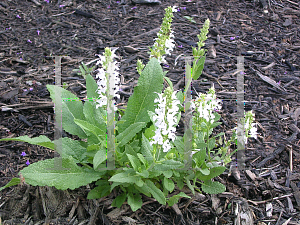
(266, 33)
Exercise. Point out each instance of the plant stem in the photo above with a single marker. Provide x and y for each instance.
(87, 166)
(209, 158)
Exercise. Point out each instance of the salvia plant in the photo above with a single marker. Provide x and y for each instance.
(149, 158)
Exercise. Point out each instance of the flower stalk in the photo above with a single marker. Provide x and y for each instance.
(199, 52)
(165, 119)
(164, 43)
(105, 82)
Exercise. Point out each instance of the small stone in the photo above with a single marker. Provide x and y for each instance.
(287, 22)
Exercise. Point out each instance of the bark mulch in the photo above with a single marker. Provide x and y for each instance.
(265, 33)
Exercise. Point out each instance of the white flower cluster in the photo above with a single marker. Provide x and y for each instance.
(169, 46)
(170, 43)
(253, 129)
(165, 119)
(109, 66)
(205, 104)
(249, 126)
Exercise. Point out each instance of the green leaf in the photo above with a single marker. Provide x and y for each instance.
(169, 184)
(124, 177)
(135, 201)
(86, 126)
(211, 143)
(135, 162)
(216, 171)
(191, 187)
(47, 173)
(119, 200)
(217, 116)
(202, 146)
(14, 181)
(146, 149)
(150, 132)
(92, 114)
(215, 124)
(207, 174)
(99, 157)
(180, 97)
(168, 165)
(143, 191)
(41, 141)
(142, 159)
(169, 82)
(213, 187)
(179, 145)
(72, 148)
(142, 100)
(175, 198)
(70, 110)
(139, 182)
(156, 193)
(198, 67)
(167, 173)
(102, 190)
(205, 171)
(144, 173)
(124, 137)
(115, 184)
(95, 116)
(180, 183)
(129, 150)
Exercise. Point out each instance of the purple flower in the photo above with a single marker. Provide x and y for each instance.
(38, 32)
(47, 1)
(178, 10)
(108, 6)
(30, 89)
(8, 28)
(25, 90)
(134, 7)
(279, 82)
(61, 6)
(23, 154)
(18, 16)
(184, 8)
(27, 162)
(179, 46)
(29, 41)
(232, 38)
(21, 59)
(167, 66)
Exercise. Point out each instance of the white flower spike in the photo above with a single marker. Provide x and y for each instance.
(165, 119)
(108, 67)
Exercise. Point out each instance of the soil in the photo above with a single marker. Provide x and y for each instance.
(265, 33)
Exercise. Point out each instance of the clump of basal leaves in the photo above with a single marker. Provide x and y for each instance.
(148, 158)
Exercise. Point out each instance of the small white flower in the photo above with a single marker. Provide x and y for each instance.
(174, 8)
(165, 119)
(253, 131)
(108, 67)
(205, 104)
(169, 46)
(166, 146)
